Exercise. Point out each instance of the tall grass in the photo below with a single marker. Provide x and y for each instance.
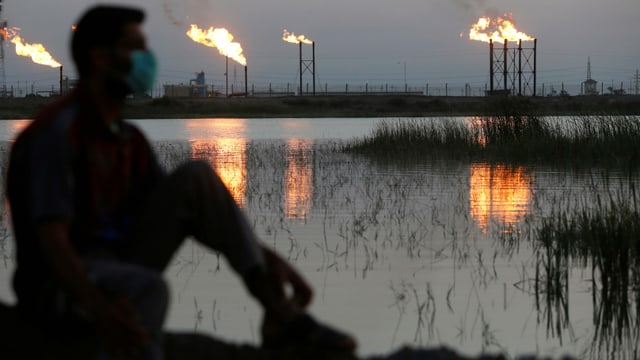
(415, 137)
(595, 139)
(606, 239)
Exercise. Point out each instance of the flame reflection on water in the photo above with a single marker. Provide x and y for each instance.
(298, 179)
(499, 194)
(228, 156)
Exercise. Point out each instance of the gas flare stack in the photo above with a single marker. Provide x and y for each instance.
(3, 38)
(306, 65)
(512, 68)
(507, 66)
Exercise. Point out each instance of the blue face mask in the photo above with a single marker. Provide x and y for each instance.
(142, 74)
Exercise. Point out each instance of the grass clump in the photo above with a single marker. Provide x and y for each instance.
(606, 239)
(414, 137)
(580, 140)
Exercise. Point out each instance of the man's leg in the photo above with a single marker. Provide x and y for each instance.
(192, 200)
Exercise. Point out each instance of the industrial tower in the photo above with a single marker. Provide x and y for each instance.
(3, 38)
(512, 71)
(308, 65)
(589, 86)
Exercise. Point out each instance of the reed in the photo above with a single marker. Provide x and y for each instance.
(415, 137)
(603, 238)
(513, 137)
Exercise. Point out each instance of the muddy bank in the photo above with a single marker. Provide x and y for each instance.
(19, 340)
(348, 106)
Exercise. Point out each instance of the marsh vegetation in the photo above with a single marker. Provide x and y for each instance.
(594, 232)
(583, 141)
(470, 252)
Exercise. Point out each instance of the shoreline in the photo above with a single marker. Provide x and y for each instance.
(348, 106)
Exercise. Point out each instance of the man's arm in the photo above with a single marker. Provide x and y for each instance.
(115, 318)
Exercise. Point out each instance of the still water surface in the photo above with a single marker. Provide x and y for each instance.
(411, 252)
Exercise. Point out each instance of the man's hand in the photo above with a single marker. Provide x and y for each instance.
(283, 276)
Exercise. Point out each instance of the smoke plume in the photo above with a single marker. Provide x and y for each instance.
(477, 8)
(182, 12)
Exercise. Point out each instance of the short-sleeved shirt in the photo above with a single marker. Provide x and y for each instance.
(70, 165)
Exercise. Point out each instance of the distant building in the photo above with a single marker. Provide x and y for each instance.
(196, 88)
(68, 84)
(177, 90)
(589, 86)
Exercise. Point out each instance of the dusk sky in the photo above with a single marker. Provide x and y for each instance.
(357, 41)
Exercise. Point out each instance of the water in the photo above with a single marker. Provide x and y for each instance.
(196, 129)
(422, 253)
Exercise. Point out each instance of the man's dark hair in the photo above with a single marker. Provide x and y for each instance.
(100, 26)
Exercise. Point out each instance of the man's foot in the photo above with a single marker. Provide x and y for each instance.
(305, 331)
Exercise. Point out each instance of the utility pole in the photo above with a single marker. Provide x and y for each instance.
(636, 80)
(226, 76)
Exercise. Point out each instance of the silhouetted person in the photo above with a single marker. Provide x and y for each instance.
(96, 220)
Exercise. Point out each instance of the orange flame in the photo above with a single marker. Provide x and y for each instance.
(36, 52)
(498, 29)
(220, 39)
(292, 38)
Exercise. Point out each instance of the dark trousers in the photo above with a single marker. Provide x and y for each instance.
(193, 201)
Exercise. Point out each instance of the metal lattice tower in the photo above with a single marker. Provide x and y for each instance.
(513, 70)
(3, 38)
(308, 65)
